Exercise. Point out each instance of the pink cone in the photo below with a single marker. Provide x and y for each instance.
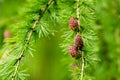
(78, 41)
(7, 34)
(72, 50)
(73, 23)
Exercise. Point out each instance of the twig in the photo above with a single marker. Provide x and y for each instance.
(82, 70)
(78, 11)
(29, 37)
(78, 17)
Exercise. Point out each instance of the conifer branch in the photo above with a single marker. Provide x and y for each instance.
(82, 27)
(82, 55)
(41, 13)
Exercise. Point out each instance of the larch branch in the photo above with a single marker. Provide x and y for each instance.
(29, 37)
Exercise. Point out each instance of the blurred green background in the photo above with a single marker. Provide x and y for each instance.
(49, 62)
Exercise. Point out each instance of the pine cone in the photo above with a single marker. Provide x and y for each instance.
(78, 42)
(72, 50)
(73, 23)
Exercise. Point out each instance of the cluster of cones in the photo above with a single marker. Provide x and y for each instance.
(78, 41)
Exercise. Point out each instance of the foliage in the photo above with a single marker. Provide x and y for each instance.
(39, 26)
(87, 31)
(29, 29)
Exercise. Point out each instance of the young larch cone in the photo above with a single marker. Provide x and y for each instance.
(72, 50)
(7, 34)
(73, 23)
(78, 42)
(74, 65)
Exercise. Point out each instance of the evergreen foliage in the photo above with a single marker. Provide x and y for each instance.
(88, 31)
(31, 27)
